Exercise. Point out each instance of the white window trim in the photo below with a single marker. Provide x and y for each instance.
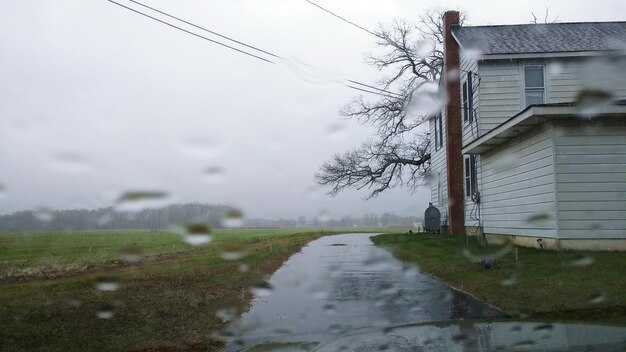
(523, 82)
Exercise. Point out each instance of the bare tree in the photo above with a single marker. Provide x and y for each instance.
(412, 58)
(546, 17)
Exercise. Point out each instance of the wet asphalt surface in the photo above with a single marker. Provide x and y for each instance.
(344, 284)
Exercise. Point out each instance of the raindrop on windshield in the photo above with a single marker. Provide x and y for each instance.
(70, 163)
(591, 103)
(509, 280)
(2, 190)
(336, 132)
(131, 254)
(136, 201)
(213, 174)
(227, 313)
(199, 147)
(538, 217)
(44, 214)
(105, 312)
(233, 218)
(582, 260)
(107, 284)
(197, 234)
(262, 289)
(596, 298)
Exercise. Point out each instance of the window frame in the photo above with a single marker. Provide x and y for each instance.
(464, 102)
(470, 176)
(526, 89)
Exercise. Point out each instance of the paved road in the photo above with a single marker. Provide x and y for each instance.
(344, 284)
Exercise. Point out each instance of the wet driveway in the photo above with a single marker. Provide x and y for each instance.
(340, 284)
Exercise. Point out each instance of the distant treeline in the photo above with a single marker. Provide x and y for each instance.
(367, 220)
(163, 218)
(109, 219)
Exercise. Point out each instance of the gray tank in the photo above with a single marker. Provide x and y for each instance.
(432, 219)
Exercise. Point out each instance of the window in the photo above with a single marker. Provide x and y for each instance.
(471, 180)
(438, 132)
(534, 89)
(464, 106)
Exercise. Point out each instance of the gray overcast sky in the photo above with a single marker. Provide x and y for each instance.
(96, 100)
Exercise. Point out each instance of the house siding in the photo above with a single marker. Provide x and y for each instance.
(518, 186)
(438, 171)
(590, 159)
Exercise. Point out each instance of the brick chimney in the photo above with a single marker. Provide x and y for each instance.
(454, 158)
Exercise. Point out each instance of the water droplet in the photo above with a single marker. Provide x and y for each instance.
(70, 163)
(524, 344)
(555, 68)
(2, 190)
(199, 147)
(74, 302)
(453, 75)
(509, 280)
(231, 255)
(104, 219)
(323, 215)
(596, 298)
(224, 335)
(544, 329)
(227, 313)
(427, 101)
(197, 234)
(136, 201)
(328, 309)
(262, 289)
(516, 328)
(105, 312)
(243, 268)
(130, 254)
(582, 260)
(539, 217)
(233, 218)
(283, 331)
(213, 174)
(591, 103)
(460, 337)
(336, 132)
(336, 329)
(491, 254)
(44, 214)
(107, 284)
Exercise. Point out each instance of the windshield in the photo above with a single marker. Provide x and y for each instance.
(312, 175)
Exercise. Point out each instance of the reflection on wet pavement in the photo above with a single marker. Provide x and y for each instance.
(344, 284)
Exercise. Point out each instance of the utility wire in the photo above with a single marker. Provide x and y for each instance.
(368, 86)
(205, 29)
(372, 92)
(341, 18)
(192, 33)
(378, 91)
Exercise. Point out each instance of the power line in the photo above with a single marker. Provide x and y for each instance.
(378, 91)
(192, 33)
(341, 18)
(367, 85)
(373, 92)
(204, 29)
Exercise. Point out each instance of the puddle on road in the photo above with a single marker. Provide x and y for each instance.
(344, 284)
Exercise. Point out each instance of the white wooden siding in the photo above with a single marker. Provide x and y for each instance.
(590, 159)
(521, 189)
(438, 168)
(499, 93)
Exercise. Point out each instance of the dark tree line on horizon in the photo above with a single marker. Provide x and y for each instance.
(164, 218)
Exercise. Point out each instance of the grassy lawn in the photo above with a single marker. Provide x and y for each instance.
(538, 285)
(72, 292)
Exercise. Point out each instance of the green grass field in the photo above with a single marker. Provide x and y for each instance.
(72, 292)
(534, 284)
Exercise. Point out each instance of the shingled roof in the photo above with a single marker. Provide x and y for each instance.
(543, 38)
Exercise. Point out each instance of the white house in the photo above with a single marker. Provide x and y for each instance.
(531, 145)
